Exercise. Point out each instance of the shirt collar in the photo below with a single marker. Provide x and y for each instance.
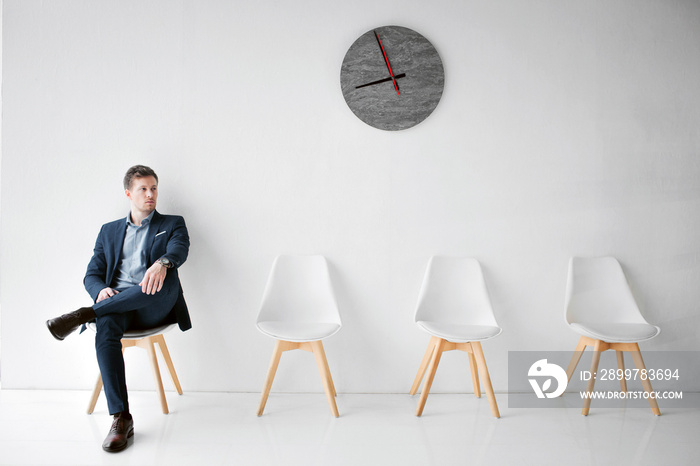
(144, 222)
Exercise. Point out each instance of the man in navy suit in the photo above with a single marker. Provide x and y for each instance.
(133, 280)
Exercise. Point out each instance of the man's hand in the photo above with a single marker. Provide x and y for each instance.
(106, 293)
(153, 279)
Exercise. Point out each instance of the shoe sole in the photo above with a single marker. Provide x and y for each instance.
(129, 439)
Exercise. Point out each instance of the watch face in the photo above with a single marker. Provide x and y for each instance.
(392, 78)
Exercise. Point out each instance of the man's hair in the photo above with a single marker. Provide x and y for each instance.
(138, 171)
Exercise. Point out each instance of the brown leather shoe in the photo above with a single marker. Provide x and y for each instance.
(120, 433)
(62, 326)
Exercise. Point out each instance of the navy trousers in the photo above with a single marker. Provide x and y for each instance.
(129, 309)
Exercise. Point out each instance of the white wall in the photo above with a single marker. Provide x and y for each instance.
(566, 128)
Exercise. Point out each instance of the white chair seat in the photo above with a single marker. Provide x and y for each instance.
(298, 331)
(138, 334)
(459, 333)
(617, 332)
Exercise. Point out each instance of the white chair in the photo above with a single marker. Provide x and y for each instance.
(601, 308)
(145, 339)
(454, 307)
(298, 310)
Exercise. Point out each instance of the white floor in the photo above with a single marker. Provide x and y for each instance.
(51, 427)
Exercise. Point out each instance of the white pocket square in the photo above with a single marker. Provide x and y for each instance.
(162, 232)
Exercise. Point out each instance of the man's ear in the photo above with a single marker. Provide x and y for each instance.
(128, 193)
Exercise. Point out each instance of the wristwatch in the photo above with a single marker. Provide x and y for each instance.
(165, 262)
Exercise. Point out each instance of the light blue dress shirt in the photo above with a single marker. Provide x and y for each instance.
(132, 264)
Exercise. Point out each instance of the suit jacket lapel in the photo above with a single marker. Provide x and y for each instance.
(152, 232)
(117, 245)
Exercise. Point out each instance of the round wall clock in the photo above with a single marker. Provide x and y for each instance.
(392, 78)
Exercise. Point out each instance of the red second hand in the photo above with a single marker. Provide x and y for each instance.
(391, 73)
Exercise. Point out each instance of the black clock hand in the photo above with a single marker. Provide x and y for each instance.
(386, 60)
(390, 78)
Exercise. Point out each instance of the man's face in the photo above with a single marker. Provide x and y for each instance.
(143, 194)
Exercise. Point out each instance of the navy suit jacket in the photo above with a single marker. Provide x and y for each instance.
(167, 237)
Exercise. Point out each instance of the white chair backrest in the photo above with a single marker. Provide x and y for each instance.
(597, 291)
(299, 290)
(454, 291)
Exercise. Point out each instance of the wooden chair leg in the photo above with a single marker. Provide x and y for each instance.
(423, 365)
(328, 371)
(168, 362)
(475, 375)
(276, 355)
(149, 344)
(639, 363)
(95, 395)
(432, 368)
(578, 352)
(481, 362)
(621, 366)
(322, 364)
(597, 349)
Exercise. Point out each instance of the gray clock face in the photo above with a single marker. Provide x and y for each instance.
(400, 98)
